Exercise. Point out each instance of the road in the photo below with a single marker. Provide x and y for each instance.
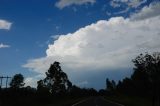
(96, 101)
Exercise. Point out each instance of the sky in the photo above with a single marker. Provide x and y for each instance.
(92, 39)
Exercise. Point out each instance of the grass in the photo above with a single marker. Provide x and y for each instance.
(130, 100)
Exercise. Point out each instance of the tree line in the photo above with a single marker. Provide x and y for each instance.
(145, 81)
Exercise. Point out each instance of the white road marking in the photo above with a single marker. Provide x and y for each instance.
(80, 102)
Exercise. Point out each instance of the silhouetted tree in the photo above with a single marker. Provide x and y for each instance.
(149, 65)
(102, 92)
(113, 84)
(69, 84)
(42, 89)
(17, 81)
(119, 86)
(40, 84)
(56, 80)
(110, 86)
(75, 91)
(141, 82)
(127, 86)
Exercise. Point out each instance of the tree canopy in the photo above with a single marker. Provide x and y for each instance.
(56, 80)
(17, 81)
(147, 74)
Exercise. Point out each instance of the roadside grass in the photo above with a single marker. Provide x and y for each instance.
(130, 100)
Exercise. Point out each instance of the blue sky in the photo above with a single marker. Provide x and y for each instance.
(79, 34)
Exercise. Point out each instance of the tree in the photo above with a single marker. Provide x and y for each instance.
(141, 82)
(111, 85)
(40, 85)
(56, 80)
(127, 86)
(149, 65)
(17, 81)
(119, 86)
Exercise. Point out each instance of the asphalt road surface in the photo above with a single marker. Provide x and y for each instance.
(96, 101)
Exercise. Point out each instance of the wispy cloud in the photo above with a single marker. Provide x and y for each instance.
(126, 4)
(65, 3)
(5, 24)
(4, 46)
(130, 3)
(147, 12)
(123, 11)
(114, 4)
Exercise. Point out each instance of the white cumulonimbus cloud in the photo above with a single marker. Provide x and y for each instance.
(5, 24)
(4, 46)
(65, 3)
(104, 45)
